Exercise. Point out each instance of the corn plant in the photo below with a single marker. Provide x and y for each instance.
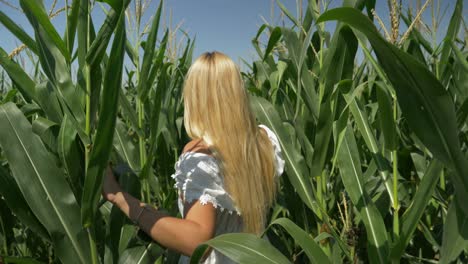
(58, 137)
(375, 146)
(375, 151)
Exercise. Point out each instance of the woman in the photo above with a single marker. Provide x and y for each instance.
(225, 176)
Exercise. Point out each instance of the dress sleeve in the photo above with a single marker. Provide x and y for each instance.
(198, 177)
(279, 161)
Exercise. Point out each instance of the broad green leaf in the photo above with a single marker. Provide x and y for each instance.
(120, 228)
(288, 13)
(20, 260)
(115, 4)
(455, 238)
(296, 168)
(158, 62)
(351, 175)
(242, 248)
(15, 200)
(48, 100)
(460, 57)
(129, 113)
(415, 50)
(36, 9)
(307, 243)
(422, 98)
(9, 97)
(162, 90)
(362, 122)
(143, 84)
(126, 146)
(255, 41)
(24, 83)
(338, 65)
(71, 156)
(72, 21)
(55, 66)
(385, 113)
(98, 48)
(47, 131)
(105, 130)
(18, 32)
(43, 185)
(452, 32)
(311, 15)
(89, 75)
(274, 38)
(410, 219)
(137, 255)
(310, 96)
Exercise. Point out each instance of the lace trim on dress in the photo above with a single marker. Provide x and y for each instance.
(279, 161)
(197, 177)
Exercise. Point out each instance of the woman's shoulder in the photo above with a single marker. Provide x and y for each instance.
(197, 155)
(197, 146)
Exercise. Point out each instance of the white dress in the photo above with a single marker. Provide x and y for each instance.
(198, 177)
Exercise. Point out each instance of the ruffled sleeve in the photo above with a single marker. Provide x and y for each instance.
(198, 177)
(279, 161)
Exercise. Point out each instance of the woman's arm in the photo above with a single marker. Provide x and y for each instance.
(182, 235)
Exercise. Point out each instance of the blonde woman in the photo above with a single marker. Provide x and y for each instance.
(225, 177)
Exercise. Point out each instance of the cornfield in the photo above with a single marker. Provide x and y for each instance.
(375, 144)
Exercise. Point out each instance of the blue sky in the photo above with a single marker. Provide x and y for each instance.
(224, 25)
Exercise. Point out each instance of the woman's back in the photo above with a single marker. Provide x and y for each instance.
(198, 177)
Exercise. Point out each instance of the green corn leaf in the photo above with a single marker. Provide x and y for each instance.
(91, 73)
(55, 65)
(70, 156)
(143, 84)
(36, 8)
(422, 98)
(296, 168)
(48, 100)
(410, 219)
(362, 122)
(158, 62)
(24, 83)
(115, 4)
(72, 21)
(20, 260)
(98, 47)
(137, 255)
(452, 32)
(351, 175)
(274, 38)
(455, 238)
(121, 230)
(47, 131)
(126, 146)
(129, 113)
(460, 58)
(338, 65)
(307, 243)
(43, 185)
(242, 248)
(15, 200)
(288, 13)
(105, 130)
(385, 113)
(18, 32)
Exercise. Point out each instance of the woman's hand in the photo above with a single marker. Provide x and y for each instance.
(110, 187)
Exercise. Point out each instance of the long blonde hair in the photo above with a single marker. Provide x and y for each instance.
(217, 110)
